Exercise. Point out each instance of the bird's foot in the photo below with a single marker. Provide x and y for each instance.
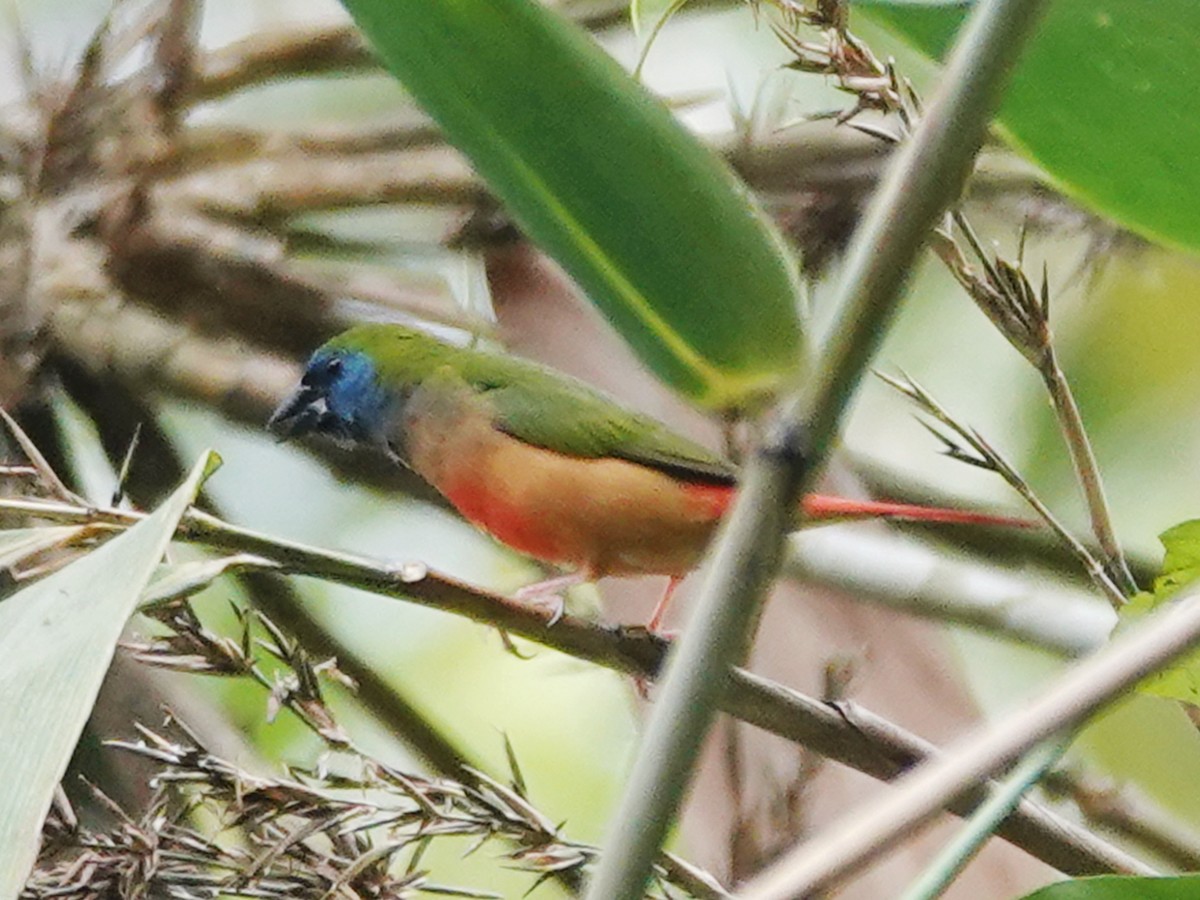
(642, 684)
(549, 594)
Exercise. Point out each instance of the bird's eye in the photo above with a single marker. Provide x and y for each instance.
(334, 365)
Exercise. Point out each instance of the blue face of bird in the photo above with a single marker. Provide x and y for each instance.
(338, 396)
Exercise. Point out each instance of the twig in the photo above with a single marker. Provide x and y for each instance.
(1086, 688)
(953, 858)
(1087, 471)
(1131, 814)
(1022, 315)
(45, 472)
(847, 734)
(264, 58)
(986, 456)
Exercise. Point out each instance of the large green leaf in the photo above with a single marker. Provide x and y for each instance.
(57, 639)
(656, 229)
(1181, 567)
(1121, 887)
(1102, 100)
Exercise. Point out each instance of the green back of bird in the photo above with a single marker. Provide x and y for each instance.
(538, 405)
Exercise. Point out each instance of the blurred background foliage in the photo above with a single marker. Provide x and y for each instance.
(1125, 314)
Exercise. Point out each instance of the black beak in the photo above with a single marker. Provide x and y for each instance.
(299, 414)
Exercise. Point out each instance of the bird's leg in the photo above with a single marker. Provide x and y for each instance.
(549, 593)
(660, 611)
(641, 684)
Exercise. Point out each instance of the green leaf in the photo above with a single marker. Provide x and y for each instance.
(652, 225)
(57, 638)
(1181, 567)
(180, 580)
(1102, 101)
(1121, 887)
(1182, 545)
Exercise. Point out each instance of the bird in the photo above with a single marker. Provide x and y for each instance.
(547, 464)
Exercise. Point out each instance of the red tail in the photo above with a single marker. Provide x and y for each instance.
(819, 507)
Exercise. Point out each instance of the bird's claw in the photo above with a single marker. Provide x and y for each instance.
(555, 604)
(549, 595)
(558, 608)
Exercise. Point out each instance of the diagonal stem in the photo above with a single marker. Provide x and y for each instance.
(1087, 471)
(927, 175)
(955, 856)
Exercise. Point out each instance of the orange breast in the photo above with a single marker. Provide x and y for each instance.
(604, 516)
(506, 518)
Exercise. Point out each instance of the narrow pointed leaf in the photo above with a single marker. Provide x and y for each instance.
(184, 579)
(57, 639)
(657, 231)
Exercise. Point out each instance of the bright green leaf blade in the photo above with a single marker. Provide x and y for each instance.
(1102, 100)
(652, 225)
(57, 638)
(1121, 887)
(1182, 545)
(1181, 566)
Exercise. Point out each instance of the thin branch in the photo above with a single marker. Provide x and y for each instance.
(965, 846)
(1128, 812)
(264, 58)
(844, 733)
(270, 189)
(983, 454)
(1086, 469)
(45, 472)
(1089, 686)
(1021, 313)
(202, 146)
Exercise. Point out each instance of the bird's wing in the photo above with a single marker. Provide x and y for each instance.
(551, 410)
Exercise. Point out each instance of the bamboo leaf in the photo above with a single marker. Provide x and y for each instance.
(1181, 567)
(1121, 887)
(57, 638)
(1102, 101)
(656, 230)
